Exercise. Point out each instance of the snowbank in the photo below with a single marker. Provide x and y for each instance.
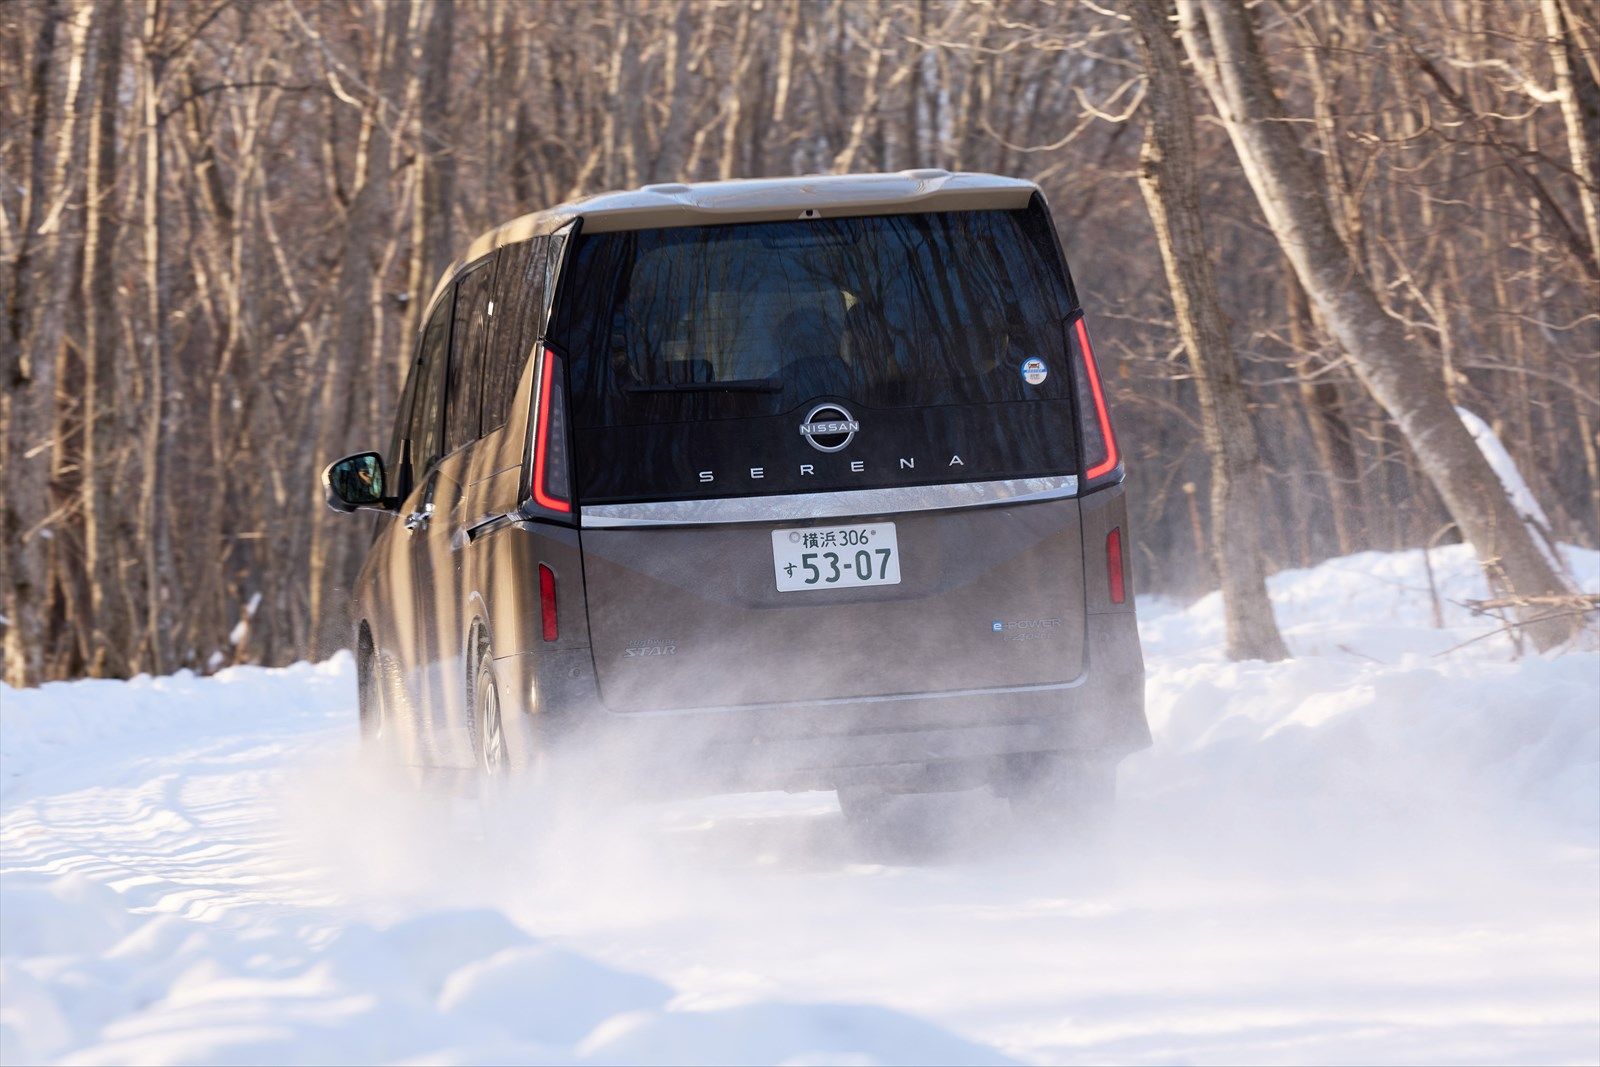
(1379, 707)
(1385, 849)
(78, 722)
(83, 977)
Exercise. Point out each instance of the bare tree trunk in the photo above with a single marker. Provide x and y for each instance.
(221, 246)
(1167, 178)
(667, 147)
(102, 420)
(388, 359)
(59, 302)
(1330, 432)
(353, 328)
(1570, 76)
(29, 396)
(866, 109)
(1221, 41)
(153, 532)
(912, 152)
(433, 243)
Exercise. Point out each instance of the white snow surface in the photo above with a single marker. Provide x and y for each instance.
(1382, 850)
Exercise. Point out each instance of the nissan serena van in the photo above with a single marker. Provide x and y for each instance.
(803, 483)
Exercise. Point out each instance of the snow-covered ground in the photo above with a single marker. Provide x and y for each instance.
(1380, 851)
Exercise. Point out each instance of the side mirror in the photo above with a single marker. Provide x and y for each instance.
(356, 483)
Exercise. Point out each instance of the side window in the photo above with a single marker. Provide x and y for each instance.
(518, 308)
(471, 321)
(552, 263)
(402, 420)
(427, 414)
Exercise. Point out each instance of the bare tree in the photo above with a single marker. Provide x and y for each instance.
(433, 218)
(1167, 178)
(1578, 86)
(330, 563)
(219, 268)
(104, 419)
(1223, 45)
(34, 326)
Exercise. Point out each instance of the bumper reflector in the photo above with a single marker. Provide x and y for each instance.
(1119, 588)
(547, 602)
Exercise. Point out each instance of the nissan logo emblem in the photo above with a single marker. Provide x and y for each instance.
(829, 428)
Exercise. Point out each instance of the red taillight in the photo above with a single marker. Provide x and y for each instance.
(547, 601)
(1119, 588)
(549, 454)
(1102, 418)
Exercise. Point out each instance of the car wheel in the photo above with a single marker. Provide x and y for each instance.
(369, 700)
(914, 827)
(863, 805)
(1061, 792)
(490, 726)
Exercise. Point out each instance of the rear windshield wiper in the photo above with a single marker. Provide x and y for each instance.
(732, 385)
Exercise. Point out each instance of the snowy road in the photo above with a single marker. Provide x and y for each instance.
(1373, 852)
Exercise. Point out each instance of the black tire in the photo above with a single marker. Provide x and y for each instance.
(488, 724)
(1074, 793)
(369, 700)
(863, 805)
(915, 827)
(888, 827)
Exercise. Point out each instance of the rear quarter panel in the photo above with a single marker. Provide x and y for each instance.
(1105, 510)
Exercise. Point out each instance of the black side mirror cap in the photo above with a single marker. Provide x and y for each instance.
(357, 483)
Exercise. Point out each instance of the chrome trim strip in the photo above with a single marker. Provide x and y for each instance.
(880, 698)
(848, 503)
(485, 527)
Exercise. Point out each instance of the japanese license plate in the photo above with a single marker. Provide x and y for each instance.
(835, 557)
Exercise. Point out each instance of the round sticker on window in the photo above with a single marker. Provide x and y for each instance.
(1034, 372)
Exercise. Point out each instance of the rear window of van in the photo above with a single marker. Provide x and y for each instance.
(702, 349)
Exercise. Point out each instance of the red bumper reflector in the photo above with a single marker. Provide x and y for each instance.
(1119, 588)
(547, 601)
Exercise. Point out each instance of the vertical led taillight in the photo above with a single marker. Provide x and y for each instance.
(1100, 457)
(1115, 581)
(547, 602)
(550, 488)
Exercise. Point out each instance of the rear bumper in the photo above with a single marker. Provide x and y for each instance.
(937, 740)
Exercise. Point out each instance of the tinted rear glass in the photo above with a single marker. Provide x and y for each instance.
(696, 353)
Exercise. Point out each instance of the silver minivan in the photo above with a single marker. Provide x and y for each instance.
(802, 483)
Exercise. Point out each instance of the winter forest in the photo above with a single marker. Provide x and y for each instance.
(1284, 748)
(1304, 231)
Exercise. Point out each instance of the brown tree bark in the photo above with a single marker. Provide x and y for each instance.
(331, 539)
(1167, 178)
(1573, 84)
(58, 304)
(210, 252)
(432, 225)
(27, 402)
(157, 444)
(103, 421)
(1221, 41)
(1330, 430)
